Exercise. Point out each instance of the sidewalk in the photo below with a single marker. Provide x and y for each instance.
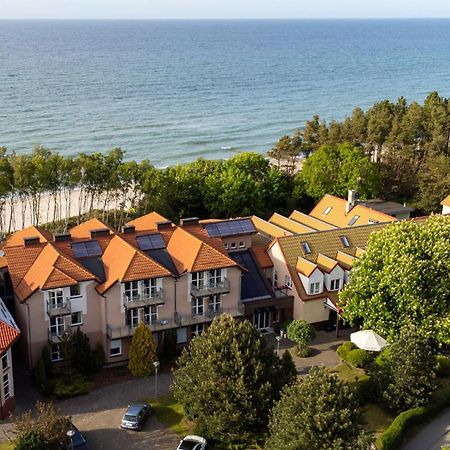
(433, 436)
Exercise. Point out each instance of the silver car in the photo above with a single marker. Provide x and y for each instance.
(192, 442)
(135, 415)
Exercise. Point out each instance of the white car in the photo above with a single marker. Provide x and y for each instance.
(192, 442)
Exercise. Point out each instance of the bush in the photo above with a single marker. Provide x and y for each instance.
(364, 390)
(30, 440)
(170, 345)
(302, 352)
(301, 332)
(442, 366)
(358, 358)
(344, 348)
(73, 386)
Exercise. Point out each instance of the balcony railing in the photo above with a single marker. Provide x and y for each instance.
(137, 301)
(128, 330)
(207, 316)
(54, 337)
(62, 309)
(211, 288)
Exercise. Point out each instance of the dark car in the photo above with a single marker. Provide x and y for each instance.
(78, 441)
(135, 416)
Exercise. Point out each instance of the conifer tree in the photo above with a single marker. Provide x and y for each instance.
(142, 352)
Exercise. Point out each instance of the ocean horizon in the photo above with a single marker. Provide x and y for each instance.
(174, 90)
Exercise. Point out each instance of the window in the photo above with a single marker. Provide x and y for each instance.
(149, 287)
(215, 303)
(225, 245)
(150, 314)
(5, 361)
(233, 245)
(133, 317)
(314, 288)
(75, 290)
(306, 248)
(197, 306)
(56, 353)
(215, 277)
(115, 347)
(344, 241)
(372, 221)
(132, 290)
(55, 298)
(288, 281)
(327, 210)
(6, 386)
(198, 279)
(181, 335)
(353, 220)
(335, 285)
(76, 318)
(57, 326)
(275, 278)
(241, 244)
(197, 329)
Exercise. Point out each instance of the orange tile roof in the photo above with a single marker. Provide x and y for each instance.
(446, 201)
(310, 221)
(337, 215)
(3, 262)
(269, 229)
(8, 335)
(18, 237)
(305, 267)
(262, 257)
(147, 222)
(289, 224)
(325, 263)
(345, 260)
(123, 262)
(83, 231)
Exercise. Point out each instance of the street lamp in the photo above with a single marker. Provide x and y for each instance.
(156, 365)
(71, 434)
(278, 338)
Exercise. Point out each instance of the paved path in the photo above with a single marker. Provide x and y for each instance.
(433, 436)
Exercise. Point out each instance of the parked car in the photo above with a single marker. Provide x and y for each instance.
(135, 416)
(192, 442)
(78, 441)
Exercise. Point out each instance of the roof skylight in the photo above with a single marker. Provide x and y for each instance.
(327, 210)
(306, 248)
(344, 240)
(353, 220)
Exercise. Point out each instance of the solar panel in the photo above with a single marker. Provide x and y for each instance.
(150, 242)
(230, 228)
(87, 248)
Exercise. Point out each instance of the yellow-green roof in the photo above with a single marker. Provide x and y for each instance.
(305, 267)
(325, 263)
(290, 225)
(269, 229)
(310, 221)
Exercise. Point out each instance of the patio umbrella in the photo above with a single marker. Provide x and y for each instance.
(368, 340)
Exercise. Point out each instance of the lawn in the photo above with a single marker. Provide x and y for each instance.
(6, 446)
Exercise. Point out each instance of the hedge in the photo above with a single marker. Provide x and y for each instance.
(392, 438)
(356, 357)
(442, 366)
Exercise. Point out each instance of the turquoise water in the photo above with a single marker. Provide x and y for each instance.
(171, 91)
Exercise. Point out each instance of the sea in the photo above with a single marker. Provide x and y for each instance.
(175, 90)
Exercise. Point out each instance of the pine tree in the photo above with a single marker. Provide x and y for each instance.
(142, 352)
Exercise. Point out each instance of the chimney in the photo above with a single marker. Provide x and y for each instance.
(128, 229)
(30, 241)
(99, 232)
(352, 200)
(164, 225)
(65, 236)
(189, 221)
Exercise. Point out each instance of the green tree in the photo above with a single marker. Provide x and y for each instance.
(80, 355)
(319, 412)
(301, 332)
(142, 352)
(402, 280)
(405, 375)
(226, 380)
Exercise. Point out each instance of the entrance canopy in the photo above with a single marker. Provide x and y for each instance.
(368, 340)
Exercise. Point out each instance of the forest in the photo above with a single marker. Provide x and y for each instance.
(397, 151)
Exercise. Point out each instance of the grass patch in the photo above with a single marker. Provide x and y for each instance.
(378, 420)
(350, 374)
(170, 413)
(6, 446)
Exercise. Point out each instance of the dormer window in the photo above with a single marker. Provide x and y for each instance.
(353, 220)
(233, 245)
(288, 281)
(306, 248)
(335, 284)
(327, 210)
(314, 288)
(344, 241)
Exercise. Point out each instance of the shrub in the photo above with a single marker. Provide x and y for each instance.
(301, 352)
(364, 390)
(170, 345)
(301, 332)
(30, 440)
(344, 348)
(358, 358)
(72, 386)
(142, 352)
(442, 366)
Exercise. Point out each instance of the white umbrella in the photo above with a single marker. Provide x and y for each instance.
(368, 340)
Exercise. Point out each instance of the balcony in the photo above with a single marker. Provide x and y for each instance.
(211, 288)
(138, 301)
(208, 315)
(62, 309)
(128, 330)
(54, 337)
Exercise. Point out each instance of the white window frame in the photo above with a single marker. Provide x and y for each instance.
(133, 317)
(131, 289)
(5, 358)
(335, 284)
(215, 277)
(182, 336)
(80, 315)
(225, 244)
(197, 329)
(198, 279)
(150, 314)
(241, 244)
(314, 288)
(79, 290)
(215, 303)
(58, 325)
(115, 347)
(233, 246)
(55, 298)
(56, 353)
(198, 307)
(327, 210)
(6, 386)
(150, 287)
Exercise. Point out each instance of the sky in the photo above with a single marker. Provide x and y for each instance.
(221, 9)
